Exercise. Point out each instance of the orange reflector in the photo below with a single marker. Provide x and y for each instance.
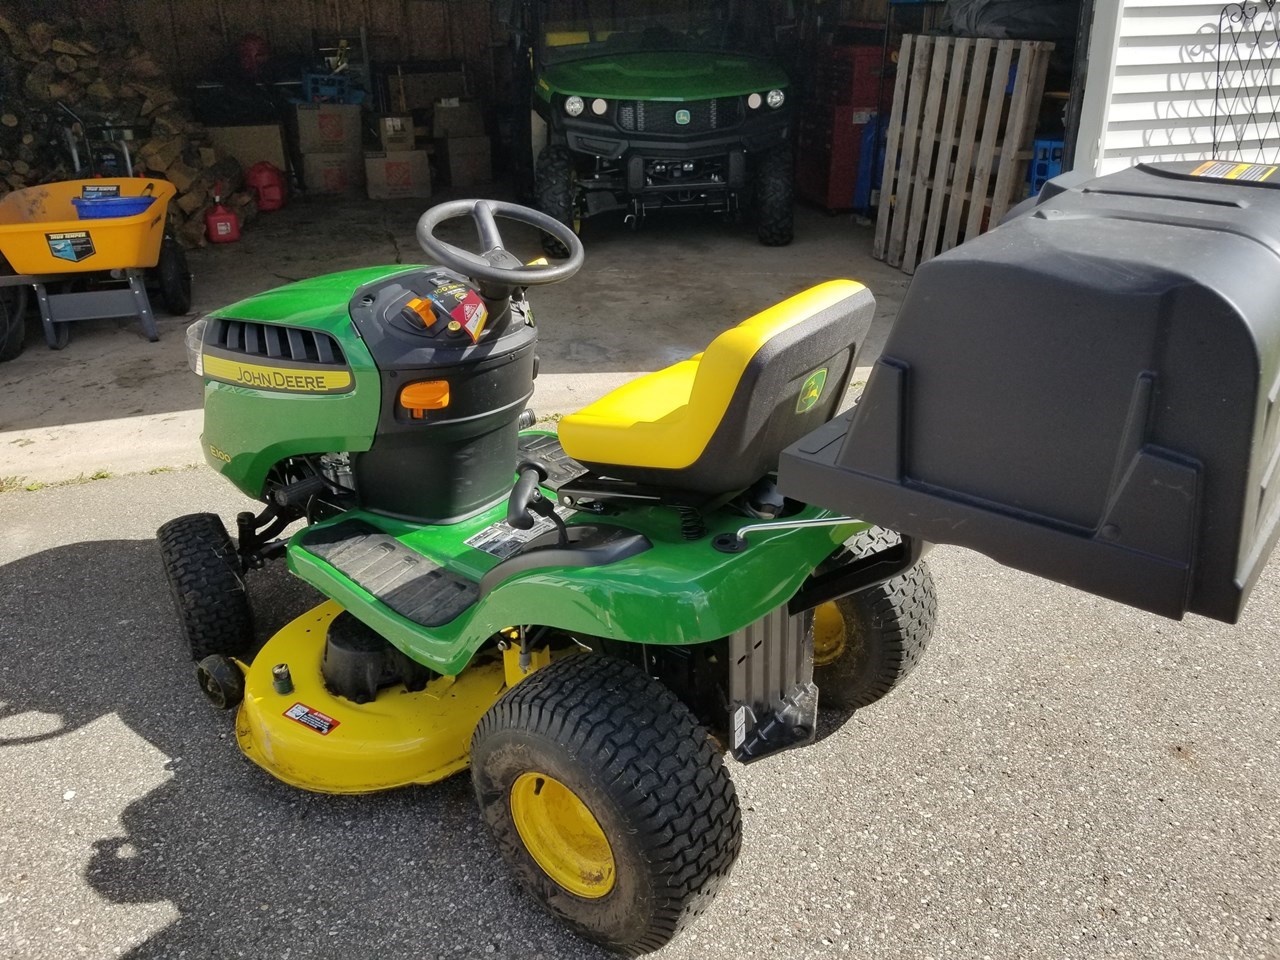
(425, 395)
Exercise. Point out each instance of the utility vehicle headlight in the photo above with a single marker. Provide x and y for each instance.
(776, 98)
(754, 101)
(573, 106)
(598, 107)
(195, 347)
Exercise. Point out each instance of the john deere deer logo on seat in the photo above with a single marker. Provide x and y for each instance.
(812, 390)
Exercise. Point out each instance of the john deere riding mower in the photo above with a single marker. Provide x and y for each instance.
(591, 618)
(587, 618)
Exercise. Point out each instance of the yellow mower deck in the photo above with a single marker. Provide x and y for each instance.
(311, 739)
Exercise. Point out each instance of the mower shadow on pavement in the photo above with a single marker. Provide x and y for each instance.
(252, 867)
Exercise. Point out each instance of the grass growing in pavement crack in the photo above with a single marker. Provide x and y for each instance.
(14, 484)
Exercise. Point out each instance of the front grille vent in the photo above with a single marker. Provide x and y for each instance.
(275, 342)
(654, 116)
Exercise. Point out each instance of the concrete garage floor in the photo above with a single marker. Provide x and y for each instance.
(1061, 777)
(112, 402)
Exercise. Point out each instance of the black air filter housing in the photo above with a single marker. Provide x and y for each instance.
(1089, 392)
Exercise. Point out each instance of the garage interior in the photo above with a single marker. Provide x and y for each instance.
(207, 93)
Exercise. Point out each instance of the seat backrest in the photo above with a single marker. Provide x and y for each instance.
(787, 368)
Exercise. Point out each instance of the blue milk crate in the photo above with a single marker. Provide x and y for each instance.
(330, 88)
(1046, 163)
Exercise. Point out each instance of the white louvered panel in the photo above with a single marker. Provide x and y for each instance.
(1160, 102)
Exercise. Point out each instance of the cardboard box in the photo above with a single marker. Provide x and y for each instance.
(418, 91)
(396, 132)
(251, 144)
(468, 160)
(333, 172)
(400, 173)
(457, 118)
(329, 128)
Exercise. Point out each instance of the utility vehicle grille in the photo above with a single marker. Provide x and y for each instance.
(653, 116)
(275, 342)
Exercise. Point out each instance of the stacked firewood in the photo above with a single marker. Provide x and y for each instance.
(52, 73)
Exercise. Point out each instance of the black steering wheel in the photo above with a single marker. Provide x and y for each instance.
(496, 264)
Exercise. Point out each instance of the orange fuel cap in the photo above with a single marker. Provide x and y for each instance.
(425, 395)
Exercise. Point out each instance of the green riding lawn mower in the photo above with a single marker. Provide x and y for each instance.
(591, 618)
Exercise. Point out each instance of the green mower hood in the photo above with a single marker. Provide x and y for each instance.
(314, 389)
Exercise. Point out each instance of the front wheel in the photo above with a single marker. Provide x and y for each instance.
(207, 585)
(555, 184)
(607, 799)
(775, 197)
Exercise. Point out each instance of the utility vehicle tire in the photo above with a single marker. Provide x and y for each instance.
(555, 185)
(775, 197)
(867, 643)
(13, 321)
(207, 585)
(607, 799)
(174, 277)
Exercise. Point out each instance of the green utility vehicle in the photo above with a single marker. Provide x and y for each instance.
(639, 108)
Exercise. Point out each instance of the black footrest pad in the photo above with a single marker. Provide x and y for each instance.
(407, 582)
(546, 452)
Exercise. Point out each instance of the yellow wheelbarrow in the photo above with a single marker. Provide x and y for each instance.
(87, 248)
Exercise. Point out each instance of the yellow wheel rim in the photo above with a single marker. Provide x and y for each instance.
(562, 835)
(828, 634)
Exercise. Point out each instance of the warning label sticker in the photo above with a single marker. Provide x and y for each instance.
(1230, 170)
(503, 540)
(321, 723)
(73, 245)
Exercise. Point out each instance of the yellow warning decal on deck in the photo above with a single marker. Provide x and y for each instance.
(1229, 170)
(289, 379)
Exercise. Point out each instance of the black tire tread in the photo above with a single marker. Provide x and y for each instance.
(174, 277)
(206, 585)
(554, 191)
(775, 198)
(13, 323)
(659, 762)
(902, 613)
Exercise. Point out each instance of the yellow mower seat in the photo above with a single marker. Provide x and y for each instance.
(716, 422)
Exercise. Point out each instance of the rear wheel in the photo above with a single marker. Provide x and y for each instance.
(607, 799)
(207, 585)
(867, 643)
(775, 197)
(555, 184)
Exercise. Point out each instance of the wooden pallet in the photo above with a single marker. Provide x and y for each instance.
(953, 125)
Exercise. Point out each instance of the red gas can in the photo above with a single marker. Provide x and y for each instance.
(220, 224)
(267, 180)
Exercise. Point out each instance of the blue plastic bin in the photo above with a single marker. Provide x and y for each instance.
(105, 208)
(1046, 163)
